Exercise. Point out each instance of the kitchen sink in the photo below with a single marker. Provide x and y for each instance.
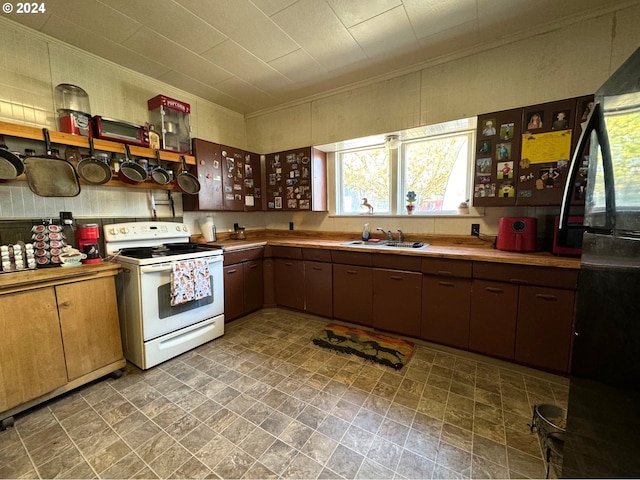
(387, 244)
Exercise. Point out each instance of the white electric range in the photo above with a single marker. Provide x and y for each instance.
(152, 329)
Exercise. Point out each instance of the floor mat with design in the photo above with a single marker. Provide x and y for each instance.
(389, 351)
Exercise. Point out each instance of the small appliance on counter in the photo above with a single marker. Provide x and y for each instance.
(573, 244)
(72, 109)
(517, 234)
(170, 118)
(87, 240)
(120, 131)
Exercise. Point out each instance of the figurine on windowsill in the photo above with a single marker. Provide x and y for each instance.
(367, 205)
(411, 198)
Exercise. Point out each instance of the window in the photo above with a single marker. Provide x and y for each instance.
(366, 179)
(434, 162)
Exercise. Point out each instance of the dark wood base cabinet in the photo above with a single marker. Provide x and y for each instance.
(318, 294)
(353, 294)
(446, 306)
(289, 275)
(243, 282)
(545, 321)
(396, 301)
(494, 310)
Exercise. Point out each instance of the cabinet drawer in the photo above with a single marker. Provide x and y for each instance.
(316, 254)
(351, 258)
(396, 262)
(447, 268)
(239, 256)
(527, 274)
(286, 252)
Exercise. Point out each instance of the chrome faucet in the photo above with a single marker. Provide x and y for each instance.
(399, 235)
(387, 233)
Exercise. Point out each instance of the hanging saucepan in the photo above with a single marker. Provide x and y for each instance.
(186, 182)
(11, 165)
(50, 176)
(159, 174)
(130, 172)
(92, 170)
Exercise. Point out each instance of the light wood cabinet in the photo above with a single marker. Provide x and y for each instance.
(60, 330)
(89, 324)
(31, 358)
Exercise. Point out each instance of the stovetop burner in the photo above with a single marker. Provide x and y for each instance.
(166, 250)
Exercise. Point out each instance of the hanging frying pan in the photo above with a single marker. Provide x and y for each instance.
(11, 165)
(92, 170)
(50, 176)
(186, 182)
(159, 174)
(130, 172)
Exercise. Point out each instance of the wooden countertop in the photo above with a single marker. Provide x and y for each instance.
(41, 277)
(439, 247)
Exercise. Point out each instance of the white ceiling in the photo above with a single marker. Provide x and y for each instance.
(251, 55)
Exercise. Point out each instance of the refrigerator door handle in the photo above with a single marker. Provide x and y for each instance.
(594, 123)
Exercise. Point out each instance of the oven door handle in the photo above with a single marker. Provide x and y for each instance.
(166, 266)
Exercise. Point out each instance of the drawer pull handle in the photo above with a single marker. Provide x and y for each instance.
(517, 280)
(288, 264)
(551, 298)
(317, 268)
(395, 277)
(229, 272)
(444, 272)
(65, 304)
(494, 290)
(445, 284)
(352, 272)
(253, 265)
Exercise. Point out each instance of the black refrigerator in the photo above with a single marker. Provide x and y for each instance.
(603, 417)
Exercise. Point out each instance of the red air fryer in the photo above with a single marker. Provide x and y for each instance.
(517, 234)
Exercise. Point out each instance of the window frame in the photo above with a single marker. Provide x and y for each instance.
(397, 164)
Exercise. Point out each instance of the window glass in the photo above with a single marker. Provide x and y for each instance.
(364, 174)
(436, 170)
(433, 162)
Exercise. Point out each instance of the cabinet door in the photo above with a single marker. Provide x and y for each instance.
(397, 301)
(90, 328)
(31, 356)
(233, 291)
(446, 303)
(318, 291)
(253, 285)
(289, 281)
(353, 294)
(545, 320)
(494, 307)
(233, 172)
(209, 173)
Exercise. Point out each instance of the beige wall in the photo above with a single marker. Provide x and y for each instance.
(564, 62)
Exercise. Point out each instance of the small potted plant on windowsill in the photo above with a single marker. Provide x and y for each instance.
(411, 199)
(463, 208)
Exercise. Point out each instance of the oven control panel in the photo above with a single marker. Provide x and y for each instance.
(145, 231)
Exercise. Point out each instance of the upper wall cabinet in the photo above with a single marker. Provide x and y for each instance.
(523, 155)
(230, 179)
(296, 180)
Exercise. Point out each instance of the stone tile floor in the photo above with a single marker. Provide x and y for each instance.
(264, 402)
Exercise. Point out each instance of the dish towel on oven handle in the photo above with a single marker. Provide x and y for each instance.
(190, 280)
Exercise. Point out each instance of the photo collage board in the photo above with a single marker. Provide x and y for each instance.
(240, 179)
(523, 155)
(289, 180)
